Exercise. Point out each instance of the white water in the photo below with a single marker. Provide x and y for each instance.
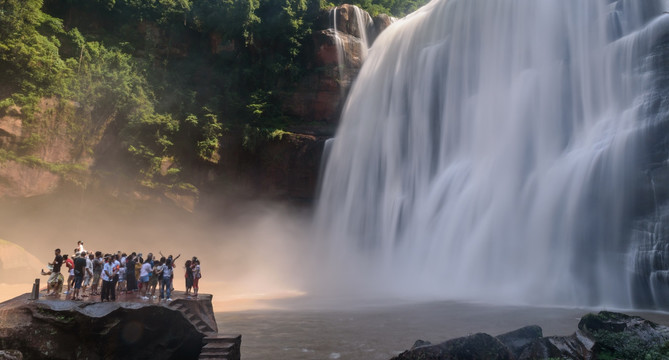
(487, 151)
(363, 21)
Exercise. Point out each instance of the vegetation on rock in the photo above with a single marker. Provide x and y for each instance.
(168, 78)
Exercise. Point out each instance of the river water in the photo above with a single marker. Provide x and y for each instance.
(381, 330)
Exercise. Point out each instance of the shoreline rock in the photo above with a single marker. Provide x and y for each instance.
(66, 329)
(605, 335)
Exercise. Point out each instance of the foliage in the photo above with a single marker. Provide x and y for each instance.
(29, 59)
(626, 345)
(398, 8)
(149, 70)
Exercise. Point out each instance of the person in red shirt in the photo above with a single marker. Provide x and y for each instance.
(70, 270)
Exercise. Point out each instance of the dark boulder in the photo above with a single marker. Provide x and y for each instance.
(605, 335)
(474, 347)
(576, 346)
(518, 340)
(64, 329)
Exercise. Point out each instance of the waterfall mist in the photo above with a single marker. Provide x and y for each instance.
(494, 151)
(250, 251)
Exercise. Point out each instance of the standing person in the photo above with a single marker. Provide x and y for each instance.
(53, 278)
(98, 263)
(69, 263)
(189, 277)
(79, 269)
(121, 280)
(88, 275)
(107, 275)
(144, 275)
(166, 286)
(197, 274)
(156, 276)
(130, 278)
(116, 266)
(80, 247)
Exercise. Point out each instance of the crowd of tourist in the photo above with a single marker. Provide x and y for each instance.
(120, 273)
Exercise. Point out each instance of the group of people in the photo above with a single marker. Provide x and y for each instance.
(119, 272)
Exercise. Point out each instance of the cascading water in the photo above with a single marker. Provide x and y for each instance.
(495, 150)
(357, 35)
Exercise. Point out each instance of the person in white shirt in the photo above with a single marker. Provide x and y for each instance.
(116, 266)
(144, 275)
(80, 247)
(107, 275)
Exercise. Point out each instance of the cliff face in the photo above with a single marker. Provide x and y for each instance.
(42, 150)
(39, 149)
(64, 329)
(335, 62)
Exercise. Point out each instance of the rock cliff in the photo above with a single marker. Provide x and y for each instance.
(65, 329)
(43, 150)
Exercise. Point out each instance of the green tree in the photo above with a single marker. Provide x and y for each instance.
(29, 59)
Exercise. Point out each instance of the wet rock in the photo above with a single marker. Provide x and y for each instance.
(478, 346)
(605, 335)
(516, 341)
(381, 22)
(622, 336)
(576, 346)
(420, 343)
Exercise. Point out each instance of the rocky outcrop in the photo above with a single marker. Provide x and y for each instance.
(64, 329)
(41, 152)
(36, 149)
(605, 335)
(11, 127)
(477, 346)
(282, 165)
(337, 58)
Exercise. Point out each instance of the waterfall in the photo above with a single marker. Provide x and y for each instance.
(354, 33)
(494, 150)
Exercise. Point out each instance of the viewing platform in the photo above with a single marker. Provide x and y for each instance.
(55, 327)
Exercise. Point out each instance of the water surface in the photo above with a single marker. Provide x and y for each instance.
(382, 331)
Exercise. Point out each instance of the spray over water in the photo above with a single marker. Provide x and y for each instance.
(490, 150)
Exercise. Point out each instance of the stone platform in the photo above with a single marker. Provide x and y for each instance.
(58, 328)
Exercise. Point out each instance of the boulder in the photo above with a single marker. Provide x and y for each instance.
(605, 335)
(576, 346)
(478, 346)
(516, 341)
(381, 22)
(65, 329)
(351, 20)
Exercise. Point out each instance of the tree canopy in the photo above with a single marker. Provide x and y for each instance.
(171, 96)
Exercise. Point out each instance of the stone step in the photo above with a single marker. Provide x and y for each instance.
(222, 345)
(222, 338)
(216, 355)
